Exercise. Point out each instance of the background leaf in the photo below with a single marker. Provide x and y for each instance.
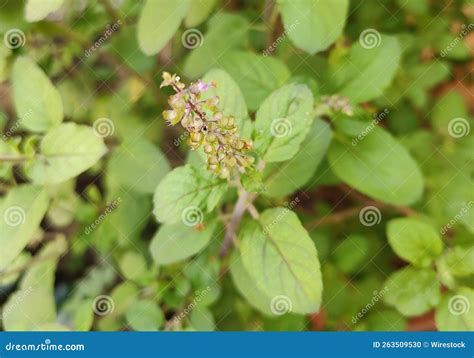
(37, 103)
(36, 10)
(65, 152)
(366, 72)
(159, 20)
(22, 212)
(377, 165)
(138, 165)
(414, 241)
(412, 291)
(256, 75)
(313, 25)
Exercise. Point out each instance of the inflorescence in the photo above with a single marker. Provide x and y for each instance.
(207, 126)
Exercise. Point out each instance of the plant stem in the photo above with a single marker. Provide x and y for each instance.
(342, 215)
(334, 218)
(405, 210)
(253, 211)
(13, 158)
(245, 199)
(113, 12)
(270, 14)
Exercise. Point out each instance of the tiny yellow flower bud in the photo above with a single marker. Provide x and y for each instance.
(224, 173)
(207, 148)
(211, 137)
(223, 121)
(212, 160)
(239, 144)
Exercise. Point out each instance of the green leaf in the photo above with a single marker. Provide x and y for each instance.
(201, 319)
(313, 25)
(252, 181)
(65, 152)
(419, 7)
(125, 218)
(225, 32)
(176, 242)
(158, 21)
(28, 309)
(247, 287)
(42, 274)
(21, 213)
(13, 271)
(455, 311)
(36, 10)
(414, 241)
(281, 179)
(257, 76)
(132, 265)
(231, 99)
(365, 73)
(460, 261)
(185, 191)
(283, 121)
(37, 103)
(448, 107)
(123, 295)
(351, 253)
(412, 291)
(83, 315)
(385, 320)
(281, 258)
(198, 11)
(144, 315)
(423, 77)
(138, 165)
(377, 165)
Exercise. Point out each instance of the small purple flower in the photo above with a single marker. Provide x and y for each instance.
(202, 86)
